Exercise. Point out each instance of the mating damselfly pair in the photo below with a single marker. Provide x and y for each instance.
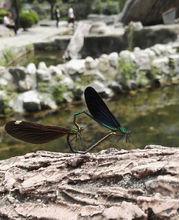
(97, 110)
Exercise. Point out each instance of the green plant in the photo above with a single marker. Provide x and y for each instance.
(111, 8)
(7, 57)
(3, 12)
(97, 7)
(28, 18)
(57, 93)
(34, 16)
(130, 37)
(127, 69)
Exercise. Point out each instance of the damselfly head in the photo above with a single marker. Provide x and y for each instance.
(124, 130)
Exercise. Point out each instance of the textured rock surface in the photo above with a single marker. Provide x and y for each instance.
(112, 184)
(148, 12)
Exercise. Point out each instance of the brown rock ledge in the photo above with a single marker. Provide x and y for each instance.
(136, 184)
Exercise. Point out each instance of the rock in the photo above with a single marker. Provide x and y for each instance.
(3, 99)
(6, 79)
(22, 79)
(102, 89)
(92, 75)
(18, 73)
(6, 32)
(163, 50)
(108, 19)
(113, 184)
(27, 101)
(161, 65)
(42, 66)
(113, 59)
(142, 59)
(47, 102)
(127, 55)
(77, 40)
(90, 63)
(174, 63)
(31, 69)
(134, 26)
(56, 71)
(175, 79)
(138, 10)
(131, 84)
(44, 75)
(27, 84)
(103, 63)
(67, 82)
(116, 87)
(75, 66)
(165, 80)
(99, 28)
(68, 96)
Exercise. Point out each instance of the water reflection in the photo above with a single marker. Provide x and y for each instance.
(152, 116)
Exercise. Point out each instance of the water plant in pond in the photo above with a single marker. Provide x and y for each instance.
(127, 69)
(58, 93)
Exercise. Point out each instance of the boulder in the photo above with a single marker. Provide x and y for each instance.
(103, 63)
(32, 101)
(23, 80)
(163, 50)
(6, 79)
(6, 32)
(116, 87)
(27, 101)
(3, 98)
(174, 63)
(99, 28)
(42, 65)
(75, 66)
(90, 63)
(67, 82)
(56, 71)
(143, 59)
(102, 89)
(139, 10)
(47, 102)
(44, 75)
(161, 65)
(31, 69)
(113, 59)
(18, 73)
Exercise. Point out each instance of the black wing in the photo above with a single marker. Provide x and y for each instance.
(34, 133)
(99, 110)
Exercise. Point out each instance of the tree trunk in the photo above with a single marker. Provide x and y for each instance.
(112, 184)
(52, 10)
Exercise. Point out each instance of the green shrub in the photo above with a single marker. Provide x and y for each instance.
(28, 18)
(3, 12)
(35, 17)
(106, 7)
(111, 8)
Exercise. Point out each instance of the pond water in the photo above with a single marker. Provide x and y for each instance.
(152, 117)
(50, 58)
